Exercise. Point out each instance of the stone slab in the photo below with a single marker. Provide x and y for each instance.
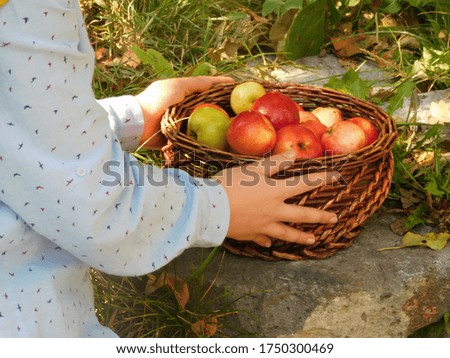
(358, 292)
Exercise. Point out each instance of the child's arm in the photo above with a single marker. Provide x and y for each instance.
(136, 119)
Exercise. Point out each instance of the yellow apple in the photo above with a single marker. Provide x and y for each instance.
(244, 94)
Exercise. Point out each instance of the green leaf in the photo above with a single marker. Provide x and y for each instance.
(403, 91)
(200, 69)
(235, 16)
(447, 322)
(390, 6)
(417, 217)
(156, 61)
(352, 3)
(270, 6)
(433, 132)
(335, 15)
(433, 188)
(421, 3)
(307, 32)
(280, 7)
(351, 83)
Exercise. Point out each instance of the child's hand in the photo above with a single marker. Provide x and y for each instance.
(257, 202)
(162, 94)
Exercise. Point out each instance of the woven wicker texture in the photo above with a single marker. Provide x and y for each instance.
(366, 175)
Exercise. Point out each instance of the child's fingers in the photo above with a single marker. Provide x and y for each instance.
(303, 183)
(302, 214)
(260, 239)
(273, 164)
(202, 83)
(287, 233)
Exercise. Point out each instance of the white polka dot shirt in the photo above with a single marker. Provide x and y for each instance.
(71, 196)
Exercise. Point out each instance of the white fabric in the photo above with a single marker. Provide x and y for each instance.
(70, 197)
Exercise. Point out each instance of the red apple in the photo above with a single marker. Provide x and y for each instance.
(299, 107)
(343, 138)
(368, 127)
(316, 127)
(251, 133)
(328, 115)
(304, 142)
(279, 108)
(307, 116)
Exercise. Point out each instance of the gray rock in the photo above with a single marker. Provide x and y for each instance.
(358, 292)
(317, 70)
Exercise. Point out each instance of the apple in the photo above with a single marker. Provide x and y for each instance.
(279, 108)
(210, 105)
(307, 116)
(328, 115)
(343, 138)
(244, 94)
(368, 127)
(251, 133)
(299, 107)
(208, 125)
(316, 127)
(304, 142)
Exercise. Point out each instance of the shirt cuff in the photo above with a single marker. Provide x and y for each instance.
(126, 119)
(217, 210)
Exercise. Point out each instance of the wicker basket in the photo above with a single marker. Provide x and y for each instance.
(367, 173)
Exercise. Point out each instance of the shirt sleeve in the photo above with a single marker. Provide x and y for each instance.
(126, 119)
(62, 167)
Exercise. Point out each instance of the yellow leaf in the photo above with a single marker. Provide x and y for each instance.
(432, 240)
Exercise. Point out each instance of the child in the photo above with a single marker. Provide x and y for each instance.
(57, 216)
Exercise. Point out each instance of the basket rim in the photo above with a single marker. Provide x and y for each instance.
(170, 126)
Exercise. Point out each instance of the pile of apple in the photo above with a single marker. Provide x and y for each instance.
(272, 122)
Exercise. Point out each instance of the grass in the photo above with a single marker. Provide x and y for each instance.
(202, 36)
(163, 304)
(139, 41)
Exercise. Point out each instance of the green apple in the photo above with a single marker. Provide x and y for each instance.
(208, 125)
(244, 94)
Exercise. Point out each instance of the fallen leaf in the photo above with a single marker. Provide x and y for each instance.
(101, 53)
(130, 59)
(408, 198)
(398, 227)
(409, 41)
(174, 283)
(206, 327)
(228, 49)
(388, 21)
(434, 241)
(348, 46)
